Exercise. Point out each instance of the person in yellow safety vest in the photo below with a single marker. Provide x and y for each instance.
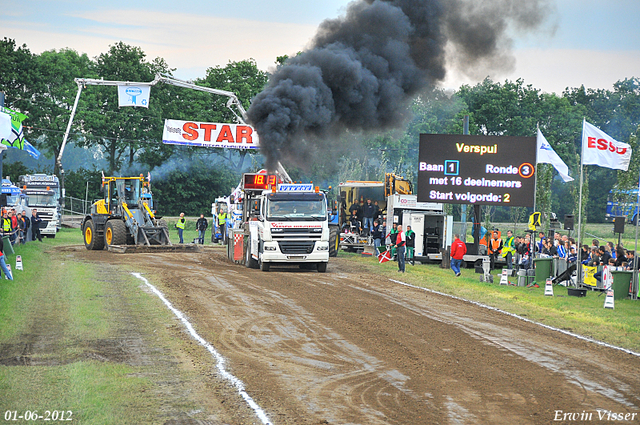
(495, 247)
(6, 223)
(222, 223)
(509, 248)
(180, 226)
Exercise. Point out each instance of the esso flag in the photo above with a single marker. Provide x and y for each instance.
(212, 135)
(598, 148)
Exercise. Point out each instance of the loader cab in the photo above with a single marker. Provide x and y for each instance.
(119, 190)
(129, 191)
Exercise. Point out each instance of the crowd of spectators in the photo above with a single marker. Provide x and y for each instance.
(17, 228)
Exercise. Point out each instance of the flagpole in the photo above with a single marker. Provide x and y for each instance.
(578, 248)
(634, 295)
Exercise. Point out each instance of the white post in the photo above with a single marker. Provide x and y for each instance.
(578, 248)
(635, 288)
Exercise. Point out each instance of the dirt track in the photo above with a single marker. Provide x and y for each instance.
(349, 347)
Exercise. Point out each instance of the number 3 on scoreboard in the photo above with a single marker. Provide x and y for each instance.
(507, 198)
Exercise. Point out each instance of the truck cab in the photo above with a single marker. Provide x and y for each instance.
(43, 193)
(286, 225)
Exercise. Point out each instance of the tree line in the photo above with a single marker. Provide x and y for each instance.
(188, 179)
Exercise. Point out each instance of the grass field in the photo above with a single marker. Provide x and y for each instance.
(68, 322)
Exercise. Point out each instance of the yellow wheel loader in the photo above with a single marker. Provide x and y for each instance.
(125, 216)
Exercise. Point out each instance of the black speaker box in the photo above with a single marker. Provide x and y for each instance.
(568, 222)
(618, 224)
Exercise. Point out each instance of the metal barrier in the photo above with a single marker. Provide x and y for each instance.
(76, 206)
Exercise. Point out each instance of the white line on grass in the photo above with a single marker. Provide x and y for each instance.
(220, 361)
(595, 341)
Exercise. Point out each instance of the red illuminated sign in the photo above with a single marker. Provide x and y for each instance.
(259, 181)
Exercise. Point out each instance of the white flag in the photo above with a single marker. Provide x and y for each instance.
(598, 148)
(137, 95)
(546, 155)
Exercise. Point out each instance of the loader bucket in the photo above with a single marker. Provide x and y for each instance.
(152, 235)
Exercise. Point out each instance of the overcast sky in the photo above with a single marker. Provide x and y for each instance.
(590, 42)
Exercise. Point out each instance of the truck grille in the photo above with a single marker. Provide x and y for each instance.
(296, 233)
(45, 216)
(295, 247)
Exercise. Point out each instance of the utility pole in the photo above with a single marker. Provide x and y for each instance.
(1, 150)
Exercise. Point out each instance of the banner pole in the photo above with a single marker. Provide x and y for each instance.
(579, 248)
(634, 290)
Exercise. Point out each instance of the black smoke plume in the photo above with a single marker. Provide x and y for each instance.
(363, 68)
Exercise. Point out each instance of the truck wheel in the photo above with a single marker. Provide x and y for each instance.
(92, 241)
(249, 262)
(264, 266)
(115, 233)
(334, 241)
(162, 223)
(322, 267)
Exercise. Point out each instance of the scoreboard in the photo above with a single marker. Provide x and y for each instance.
(483, 170)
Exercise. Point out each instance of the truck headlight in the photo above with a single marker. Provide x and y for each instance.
(322, 246)
(269, 248)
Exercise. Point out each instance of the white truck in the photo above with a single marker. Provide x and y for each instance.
(282, 224)
(43, 193)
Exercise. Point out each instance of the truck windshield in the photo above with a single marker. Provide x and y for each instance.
(12, 200)
(297, 209)
(42, 200)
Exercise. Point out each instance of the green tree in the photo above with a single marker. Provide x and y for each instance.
(55, 97)
(245, 80)
(120, 133)
(192, 188)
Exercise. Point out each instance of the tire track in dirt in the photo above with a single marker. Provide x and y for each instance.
(350, 347)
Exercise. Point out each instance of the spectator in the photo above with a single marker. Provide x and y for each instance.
(495, 247)
(27, 226)
(180, 226)
(368, 213)
(377, 215)
(14, 226)
(562, 250)
(541, 244)
(630, 259)
(557, 238)
(400, 245)
(595, 243)
(551, 248)
(525, 252)
(411, 244)
(355, 224)
(222, 224)
(201, 225)
(573, 256)
(21, 228)
(354, 209)
(6, 223)
(508, 249)
(376, 234)
(36, 221)
(584, 255)
(594, 257)
(458, 250)
(604, 256)
(598, 275)
(392, 237)
(609, 248)
(3, 263)
(621, 255)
